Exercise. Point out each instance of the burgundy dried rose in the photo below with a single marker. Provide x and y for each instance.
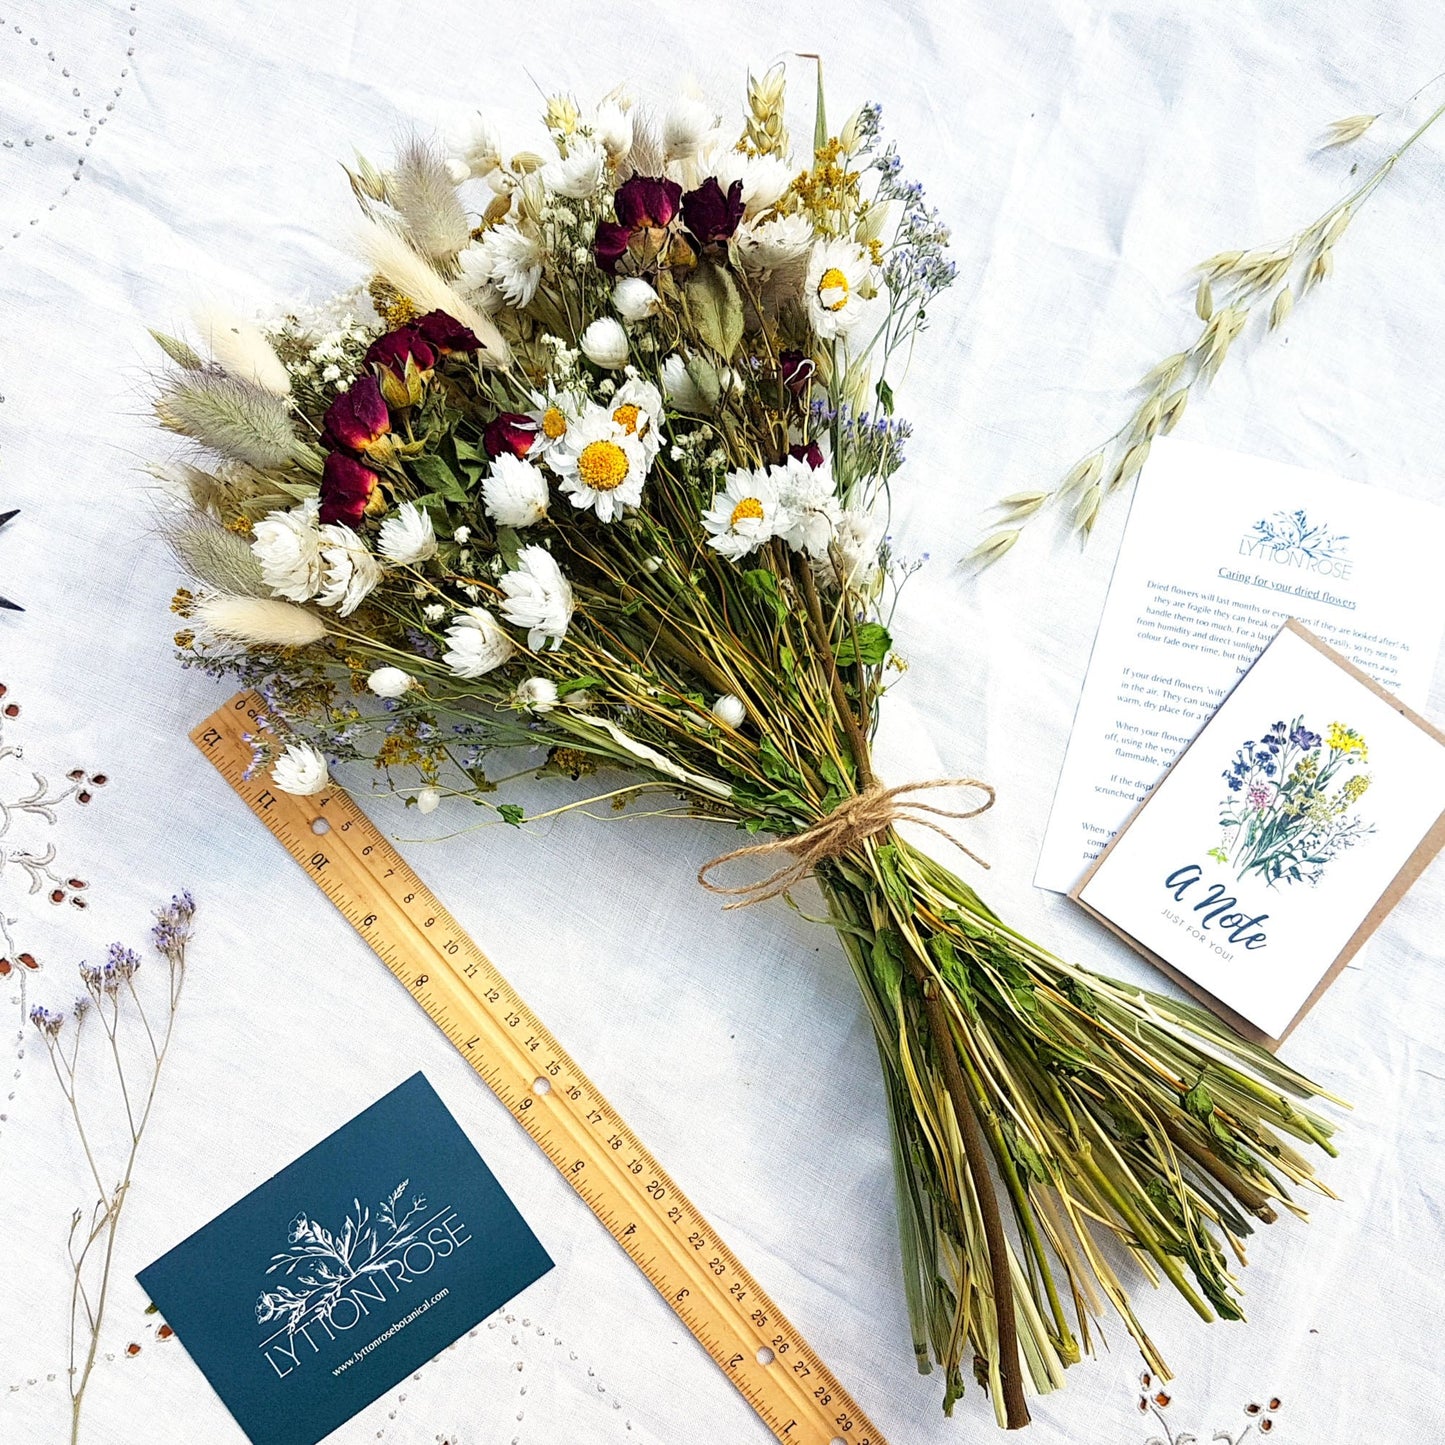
(796, 370)
(509, 431)
(358, 419)
(347, 488)
(646, 206)
(712, 214)
(812, 454)
(404, 359)
(445, 334)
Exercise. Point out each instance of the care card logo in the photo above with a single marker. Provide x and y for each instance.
(1291, 539)
(330, 1280)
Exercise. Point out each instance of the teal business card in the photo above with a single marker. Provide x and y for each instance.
(349, 1269)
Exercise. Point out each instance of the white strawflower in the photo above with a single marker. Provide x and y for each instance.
(508, 257)
(578, 174)
(851, 560)
(637, 409)
(461, 534)
(389, 682)
(604, 343)
(682, 391)
(514, 492)
(612, 125)
(729, 710)
(686, 127)
(348, 569)
(600, 464)
(809, 509)
(406, 536)
(743, 515)
(838, 273)
(264, 620)
(434, 612)
(764, 178)
(428, 800)
(300, 770)
(774, 244)
(537, 694)
(633, 299)
(288, 547)
(473, 147)
(539, 597)
(478, 643)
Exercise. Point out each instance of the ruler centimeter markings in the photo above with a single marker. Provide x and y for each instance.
(505, 1044)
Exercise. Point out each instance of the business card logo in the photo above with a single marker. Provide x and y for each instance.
(1295, 540)
(328, 1281)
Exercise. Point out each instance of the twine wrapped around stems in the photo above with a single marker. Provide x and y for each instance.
(854, 820)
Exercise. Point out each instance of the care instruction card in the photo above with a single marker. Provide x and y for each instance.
(348, 1270)
(1219, 549)
(1273, 848)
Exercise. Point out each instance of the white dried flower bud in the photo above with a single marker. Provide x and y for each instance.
(389, 682)
(730, 710)
(604, 343)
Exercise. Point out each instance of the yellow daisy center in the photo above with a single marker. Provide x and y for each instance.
(554, 424)
(749, 509)
(833, 289)
(626, 416)
(602, 466)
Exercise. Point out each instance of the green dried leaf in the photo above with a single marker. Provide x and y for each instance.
(870, 645)
(715, 308)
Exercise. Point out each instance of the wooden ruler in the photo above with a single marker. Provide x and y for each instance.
(515, 1055)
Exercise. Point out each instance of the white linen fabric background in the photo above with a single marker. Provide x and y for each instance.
(1085, 155)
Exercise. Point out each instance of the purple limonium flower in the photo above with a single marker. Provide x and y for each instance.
(358, 419)
(445, 334)
(48, 1023)
(346, 490)
(712, 214)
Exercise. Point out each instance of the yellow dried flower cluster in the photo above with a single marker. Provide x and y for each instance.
(393, 308)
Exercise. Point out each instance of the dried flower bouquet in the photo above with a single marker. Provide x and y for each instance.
(602, 468)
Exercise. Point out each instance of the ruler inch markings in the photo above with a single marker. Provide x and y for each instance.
(508, 1047)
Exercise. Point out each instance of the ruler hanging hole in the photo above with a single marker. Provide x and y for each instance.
(541, 1085)
(321, 826)
(765, 1356)
(837, 1440)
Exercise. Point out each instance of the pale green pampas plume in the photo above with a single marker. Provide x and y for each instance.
(263, 621)
(422, 191)
(232, 417)
(219, 558)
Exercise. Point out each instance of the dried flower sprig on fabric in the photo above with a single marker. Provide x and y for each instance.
(136, 1038)
(609, 480)
(1233, 287)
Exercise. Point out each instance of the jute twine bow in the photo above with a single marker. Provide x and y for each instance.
(854, 820)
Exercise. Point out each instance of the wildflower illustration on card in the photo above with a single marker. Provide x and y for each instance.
(1293, 533)
(321, 1263)
(1291, 803)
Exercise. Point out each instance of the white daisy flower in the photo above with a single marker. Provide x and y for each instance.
(773, 244)
(730, 710)
(743, 515)
(604, 343)
(539, 597)
(288, 547)
(301, 770)
(508, 257)
(406, 536)
(537, 694)
(553, 412)
(578, 174)
(808, 506)
(348, 569)
(428, 800)
(637, 409)
(515, 492)
(600, 464)
(389, 682)
(478, 643)
(634, 299)
(838, 274)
